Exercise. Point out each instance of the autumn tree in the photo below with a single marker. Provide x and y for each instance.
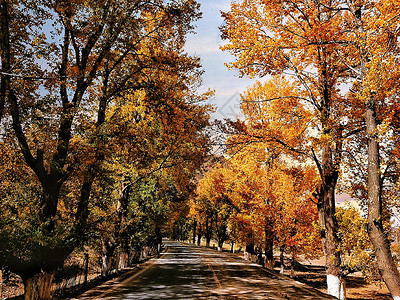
(57, 86)
(261, 201)
(213, 202)
(296, 225)
(275, 197)
(302, 41)
(375, 31)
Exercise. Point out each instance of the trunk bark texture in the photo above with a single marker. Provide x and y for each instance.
(108, 250)
(378, 237)
(329, 172)
(386, 265)
(38, 287)
(292, 262)
(269, 247)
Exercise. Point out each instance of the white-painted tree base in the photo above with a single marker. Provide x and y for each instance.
(336, 287)
(396, 298)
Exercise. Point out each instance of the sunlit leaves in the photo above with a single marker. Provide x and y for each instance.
(105, 100)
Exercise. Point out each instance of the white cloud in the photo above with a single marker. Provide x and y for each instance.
(200, 45)
(217, 76)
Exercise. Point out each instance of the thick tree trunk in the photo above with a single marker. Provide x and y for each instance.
(249, 251)
(221, 235)
(269, 248)
(329, 226)
(105, 264)
(38, 287)
(326, 209)
(378, 237)
(250, 248)
(124, 260)
(260, 259)
(208, 240)
(386, 265)
(198, 239)
(108, 249)
(49, 202)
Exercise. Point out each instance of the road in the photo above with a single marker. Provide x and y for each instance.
(185, 271)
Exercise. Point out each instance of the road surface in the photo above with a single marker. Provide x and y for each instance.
(185, 271)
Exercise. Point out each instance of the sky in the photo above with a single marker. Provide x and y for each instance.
(205, 44)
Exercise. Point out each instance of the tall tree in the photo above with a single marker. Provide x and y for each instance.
(58, 84)
(375, 32)
(300, 40)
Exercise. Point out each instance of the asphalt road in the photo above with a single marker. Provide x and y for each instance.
(185, 271)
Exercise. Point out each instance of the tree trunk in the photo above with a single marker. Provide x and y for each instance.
(386, 265)
(260, 259)
(220, 244)
(194, 231)
(269, 249)
(108, 250)
(329, 226)
(326, 210)
(250, 248)
(105, 264)
(221, 235)
(198, 239)
(208, 232)
(249, 251)
(38, 287)
(292, 260)
(124, 260)
(281, 259)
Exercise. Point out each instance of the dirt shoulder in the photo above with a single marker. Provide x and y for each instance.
(356, 286)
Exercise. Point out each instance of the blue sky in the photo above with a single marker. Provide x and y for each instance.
(205, 44)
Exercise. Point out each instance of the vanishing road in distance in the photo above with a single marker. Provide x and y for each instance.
(186, 271)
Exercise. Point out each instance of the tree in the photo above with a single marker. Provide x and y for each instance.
(58, 86)
(375, 31)
(276, 197)
(212, 202)
(302, 41)
(260, 200)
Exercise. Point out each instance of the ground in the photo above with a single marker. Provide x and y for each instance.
(310, 274)
(356, 286)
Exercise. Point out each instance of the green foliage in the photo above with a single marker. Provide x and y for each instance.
(100, 134)
(355, 246)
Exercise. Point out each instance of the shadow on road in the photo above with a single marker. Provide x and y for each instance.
(191, 272)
